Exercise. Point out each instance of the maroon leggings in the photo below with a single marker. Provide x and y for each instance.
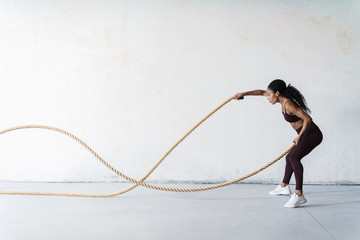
(311, 138)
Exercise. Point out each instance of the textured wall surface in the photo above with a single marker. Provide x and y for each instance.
(131, 77)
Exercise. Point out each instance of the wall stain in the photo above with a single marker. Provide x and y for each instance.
(345, 39)
(320, 21)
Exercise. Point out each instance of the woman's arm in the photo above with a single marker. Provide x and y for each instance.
(239, 96)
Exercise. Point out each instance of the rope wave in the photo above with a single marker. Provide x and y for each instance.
(134, 181)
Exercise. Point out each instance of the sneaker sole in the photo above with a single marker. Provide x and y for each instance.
(280, 194)
(287, 194)
(288, 206)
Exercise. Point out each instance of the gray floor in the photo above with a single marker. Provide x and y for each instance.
(241, 211)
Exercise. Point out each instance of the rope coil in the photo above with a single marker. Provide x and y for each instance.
(134, 181)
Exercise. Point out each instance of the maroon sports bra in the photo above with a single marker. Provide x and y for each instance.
(291, 118)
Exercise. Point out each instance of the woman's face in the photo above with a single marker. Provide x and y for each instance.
(271, 96)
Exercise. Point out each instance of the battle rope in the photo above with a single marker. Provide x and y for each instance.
(136, 182)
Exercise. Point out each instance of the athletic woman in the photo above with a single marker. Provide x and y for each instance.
(296, 112)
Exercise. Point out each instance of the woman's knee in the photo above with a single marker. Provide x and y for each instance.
(288, 158)
(293, 159)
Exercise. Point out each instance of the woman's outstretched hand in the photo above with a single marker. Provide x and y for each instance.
(239, 96)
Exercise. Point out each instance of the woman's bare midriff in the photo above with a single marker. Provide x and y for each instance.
(298, 124)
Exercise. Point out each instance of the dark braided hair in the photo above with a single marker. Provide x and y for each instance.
(289, 92)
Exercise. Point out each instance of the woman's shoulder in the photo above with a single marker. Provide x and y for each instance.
(290, 106)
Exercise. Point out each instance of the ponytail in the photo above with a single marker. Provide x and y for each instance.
(294, 94)
(290, 92)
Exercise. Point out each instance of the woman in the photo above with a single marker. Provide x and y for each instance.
(296, 112)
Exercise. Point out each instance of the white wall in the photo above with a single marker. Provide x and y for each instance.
(131, 77)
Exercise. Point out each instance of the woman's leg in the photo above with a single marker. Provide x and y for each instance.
(288, 170)
(309, 141)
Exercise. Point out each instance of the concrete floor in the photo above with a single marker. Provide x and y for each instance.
(240, 211)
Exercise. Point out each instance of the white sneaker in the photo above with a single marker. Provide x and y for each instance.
(281, 190)
(295, 201)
